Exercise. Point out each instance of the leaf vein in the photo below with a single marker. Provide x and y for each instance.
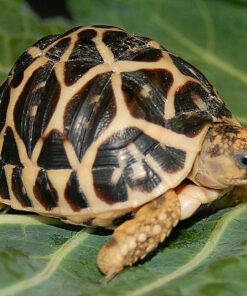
(50, 267)
(208, 248)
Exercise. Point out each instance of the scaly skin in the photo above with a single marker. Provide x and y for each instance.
(135, 238)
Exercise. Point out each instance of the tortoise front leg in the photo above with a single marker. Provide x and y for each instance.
(191, 197)
(135, 238)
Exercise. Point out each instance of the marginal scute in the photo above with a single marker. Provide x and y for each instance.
(73, 195)
(23, 62)
(146, 182)
(123, 45)
(4, 190)
(215, 107)
(44, 192)
(187, 69)
(4, 102)
(55, 53)
(189, 124)
(184, 97)
(46, 41)
(72, 30)
(105, 190)
(53, 155)
(148, 55)
(18, 187)
(10, 154)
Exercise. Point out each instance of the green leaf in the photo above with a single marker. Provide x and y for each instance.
(205, 255)
(19, 29)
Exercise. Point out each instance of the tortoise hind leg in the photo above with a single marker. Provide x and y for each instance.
(135, 238)
(4, 208)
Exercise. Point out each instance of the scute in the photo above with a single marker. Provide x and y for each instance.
(96, 122)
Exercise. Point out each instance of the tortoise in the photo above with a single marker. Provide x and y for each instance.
(100, 127)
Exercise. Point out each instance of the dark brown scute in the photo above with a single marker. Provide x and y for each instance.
(4, 190)
(190, 93)
(150, 107)
(169, 158)
(105, 190)
(53, 155)
(44, 191)
(106, 158)
(120, 139)
(144, 184)
(89, 113)
(4, 102)
(184, 97)
(23, 62)
(30, 127)
(85, 49)
(148, 55)
(74, 70)
(86, 36)
(187, 69)
(72, 30)
(55, 53)
(115, 41)
(46, 41)
(162, 79)
(189, 124)
(104, 166)
(123, 45)
(75, 198)
(218, 109)
(9, 153)
(106, 162)
(18, 187)
(144, 143)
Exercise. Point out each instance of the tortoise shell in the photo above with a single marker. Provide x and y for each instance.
(96, 122)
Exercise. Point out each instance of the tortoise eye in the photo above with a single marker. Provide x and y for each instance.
(241, 159)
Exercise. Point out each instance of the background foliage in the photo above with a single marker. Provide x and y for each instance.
(205, 255)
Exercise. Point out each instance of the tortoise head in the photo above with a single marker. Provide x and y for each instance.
(222, 161)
